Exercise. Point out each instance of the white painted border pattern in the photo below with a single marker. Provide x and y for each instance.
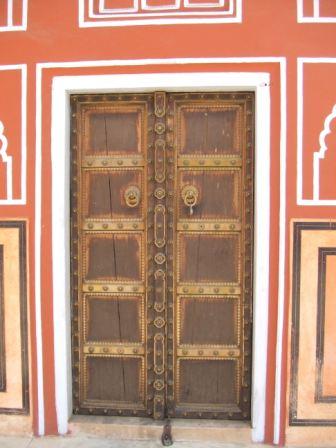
(60, 218)
(22, 199)
(105, 17)
(10, 10)
(8, 160)
(300, 120)
(320, 154)
(316, 17)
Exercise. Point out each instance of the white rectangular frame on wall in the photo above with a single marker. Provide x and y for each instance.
(23, 169)
(62, 87)
(316, 17)
(10, 12)
(88, 19)
(319, 153)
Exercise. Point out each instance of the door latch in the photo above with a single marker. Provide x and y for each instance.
(167, 439)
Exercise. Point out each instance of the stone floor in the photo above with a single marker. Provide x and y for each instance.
(91, 442)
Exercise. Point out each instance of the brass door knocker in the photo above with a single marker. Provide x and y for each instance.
(189, 195)
(132, 196)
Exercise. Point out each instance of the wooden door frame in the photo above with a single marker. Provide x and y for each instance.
(63, 86)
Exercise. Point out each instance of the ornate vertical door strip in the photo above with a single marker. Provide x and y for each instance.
(159, 312)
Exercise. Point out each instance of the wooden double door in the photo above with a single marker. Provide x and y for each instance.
(162, 221)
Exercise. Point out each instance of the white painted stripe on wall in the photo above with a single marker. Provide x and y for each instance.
(282, 254)
(258, 431)
(38, 230)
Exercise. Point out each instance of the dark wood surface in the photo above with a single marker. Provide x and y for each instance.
(162, 297)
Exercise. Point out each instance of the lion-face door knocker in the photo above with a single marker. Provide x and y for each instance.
(190, 195)
(132, 196)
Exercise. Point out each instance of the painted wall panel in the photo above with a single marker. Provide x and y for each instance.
(314, 245)
(14, 396)
(317, 137)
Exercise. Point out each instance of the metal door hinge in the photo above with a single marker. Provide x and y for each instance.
(167, 439)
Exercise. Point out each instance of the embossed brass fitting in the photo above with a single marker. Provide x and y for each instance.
(132, 196)
(190, 195)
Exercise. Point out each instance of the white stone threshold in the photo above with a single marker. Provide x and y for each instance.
(183, 430)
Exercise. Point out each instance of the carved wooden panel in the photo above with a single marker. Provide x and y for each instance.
(162, 201)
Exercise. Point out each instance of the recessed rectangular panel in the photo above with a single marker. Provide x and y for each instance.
(14, 366)
(113, 319)
(208, 382)
(209, 258)
(113, 257)
(210, 130)
(209, 320)
(329, 343)
(104, 194)
(312, 400)
(114, 132)
(114, 379)
(219, 194)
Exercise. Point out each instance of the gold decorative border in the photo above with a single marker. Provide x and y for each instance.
(138, 299)
(99, 235)
(181, 258)
(205, 406)
(115, 404)
(212, 105)
(237, 196)
(208, 347)
(85, 192)
(117, 107)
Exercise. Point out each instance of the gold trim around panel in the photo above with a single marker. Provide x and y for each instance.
(113, 162)
(137, 298)
(207, 226)
(208, 407)
(200, 352)
(114, 404)
(207, 160)
(206, 289)
(105, 225)
(202, 298)
(112, 287)
(181, 259)
(113, 349)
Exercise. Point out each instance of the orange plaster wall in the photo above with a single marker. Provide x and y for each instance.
(268, 29)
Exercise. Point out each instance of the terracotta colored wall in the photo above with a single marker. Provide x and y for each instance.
(268, 29)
